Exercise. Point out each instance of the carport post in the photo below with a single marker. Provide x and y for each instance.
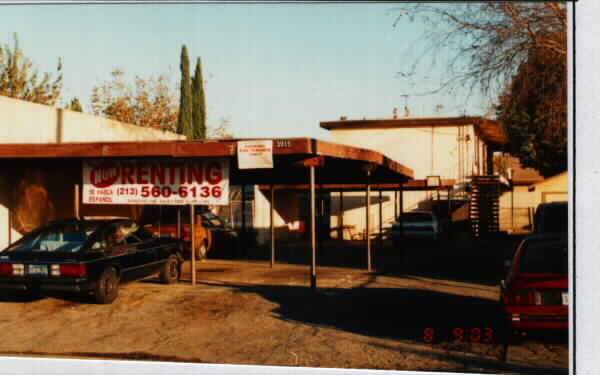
(449, 211)
(395, 205)
(193, 235)
(10, 219)
(77, 201)
(368, 230)
(243, 234)
(313, 234)
(380, 221)
(179, 222)
(401, 199)
(341, 216)
(272, 225)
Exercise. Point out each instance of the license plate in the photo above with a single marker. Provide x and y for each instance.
(37, 269)
(565, 298)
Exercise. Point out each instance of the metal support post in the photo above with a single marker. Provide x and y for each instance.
(272, 225)
(313, 234)
(77, 201)
(193, 238)
(401, 199)
(368, 229)
(341, 216)
(243, 229)
(179, 222)
(380, 220)
(395, 205)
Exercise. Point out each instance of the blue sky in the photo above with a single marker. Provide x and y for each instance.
(273, 70)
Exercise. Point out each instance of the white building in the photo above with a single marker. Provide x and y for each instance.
(452, 148)
(26, 199)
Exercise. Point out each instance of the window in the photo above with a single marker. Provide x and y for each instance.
(68, 237)
(544, 257)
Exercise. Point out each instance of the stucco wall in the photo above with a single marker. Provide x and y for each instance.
(552, 189)
(524, 202)
(24, 122)
(81, 127)
(286, 215)
(428, 151)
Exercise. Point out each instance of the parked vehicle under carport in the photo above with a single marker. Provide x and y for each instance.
(212, 234)
(415, 225)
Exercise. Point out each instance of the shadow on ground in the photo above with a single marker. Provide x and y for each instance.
(436, 321)
(476, 261)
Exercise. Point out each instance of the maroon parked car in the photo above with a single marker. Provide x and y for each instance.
(535, 294)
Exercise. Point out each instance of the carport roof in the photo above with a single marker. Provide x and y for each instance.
(337, 163)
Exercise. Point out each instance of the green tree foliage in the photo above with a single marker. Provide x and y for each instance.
(17, 80)
(184, 122)
(534, 111)
(74, 105)
(199, 103)
(148, 102)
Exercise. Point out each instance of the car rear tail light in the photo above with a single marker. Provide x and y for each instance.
(6, 269)
(12, 269)
(18, 269)
(73, 270)
(55, 270)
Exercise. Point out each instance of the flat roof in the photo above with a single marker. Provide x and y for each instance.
(492, 131)
(337, 163)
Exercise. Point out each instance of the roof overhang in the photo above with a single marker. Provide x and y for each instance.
(335, 163)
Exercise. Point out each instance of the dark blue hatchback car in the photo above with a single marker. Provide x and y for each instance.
(88, 256)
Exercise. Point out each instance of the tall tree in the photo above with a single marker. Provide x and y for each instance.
(184, 122)
(18, 81)
(199, 103)
(534, 110)
(484, 44)
(516, 49)
(147, 102)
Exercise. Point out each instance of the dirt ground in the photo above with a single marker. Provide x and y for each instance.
(244, 312)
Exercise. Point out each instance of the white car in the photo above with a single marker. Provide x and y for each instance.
(416, 225)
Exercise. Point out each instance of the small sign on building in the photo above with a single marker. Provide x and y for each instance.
(255, 154)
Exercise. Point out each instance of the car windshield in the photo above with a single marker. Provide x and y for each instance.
(66, 237)
(544, 257)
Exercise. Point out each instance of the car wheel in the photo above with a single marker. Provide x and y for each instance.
(170, 271)
(202, 251)
(107, 287)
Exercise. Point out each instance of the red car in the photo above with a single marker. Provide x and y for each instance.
(535, 294)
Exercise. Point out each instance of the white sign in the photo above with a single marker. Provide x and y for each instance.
(255, 154)
(165, 182)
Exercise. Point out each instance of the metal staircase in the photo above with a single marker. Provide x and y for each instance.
(484, 205)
